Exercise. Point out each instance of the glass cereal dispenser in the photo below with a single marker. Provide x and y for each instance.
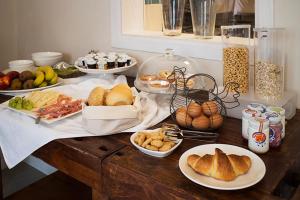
(236, 41)
(156, 74)
(269, 63)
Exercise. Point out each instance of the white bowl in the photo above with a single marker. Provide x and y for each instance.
(46, 58)
(47, 55)
(159, 154)
(20, 63)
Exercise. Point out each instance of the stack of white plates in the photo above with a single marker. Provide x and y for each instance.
(46, 58)
(20, 65)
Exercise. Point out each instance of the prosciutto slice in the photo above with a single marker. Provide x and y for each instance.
(63, 106)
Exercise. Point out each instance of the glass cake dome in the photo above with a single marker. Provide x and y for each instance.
(158, 74)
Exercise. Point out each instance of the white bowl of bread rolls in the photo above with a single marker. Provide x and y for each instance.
(110, 111)
(154, 142)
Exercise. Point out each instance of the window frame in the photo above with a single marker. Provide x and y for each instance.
(129, 33)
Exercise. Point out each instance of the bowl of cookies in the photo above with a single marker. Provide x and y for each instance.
(154, 142)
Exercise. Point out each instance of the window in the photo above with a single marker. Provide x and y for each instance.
(130, 31)
(228, 12)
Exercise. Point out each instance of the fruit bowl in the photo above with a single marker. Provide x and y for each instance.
(25, 81)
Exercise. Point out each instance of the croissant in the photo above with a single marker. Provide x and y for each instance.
(220, 166)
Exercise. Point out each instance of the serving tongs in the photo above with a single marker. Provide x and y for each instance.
(173, 132)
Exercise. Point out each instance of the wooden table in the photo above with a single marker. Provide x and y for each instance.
(114, 169)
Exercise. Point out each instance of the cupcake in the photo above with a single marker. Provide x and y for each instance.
(101, 55)
(126, 57)
(112, 54)
(122, 61)
(102, 63)
(91, 63)
(81, 62)
(111, 62)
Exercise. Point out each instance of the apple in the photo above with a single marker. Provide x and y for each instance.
(4, 82)
(13, 74)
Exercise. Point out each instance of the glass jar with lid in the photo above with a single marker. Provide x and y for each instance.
(156, 75)
(269, 63)
(236, 41)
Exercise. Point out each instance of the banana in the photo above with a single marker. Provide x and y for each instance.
(49, 72)
(40, 77)
(54, 79)
(43, 84)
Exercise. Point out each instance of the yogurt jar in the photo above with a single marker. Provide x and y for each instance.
(247, 114)
(258, 107)
(281, 112)
(276, 128)
(258, 130)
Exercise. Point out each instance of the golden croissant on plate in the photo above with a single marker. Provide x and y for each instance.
(220, 166)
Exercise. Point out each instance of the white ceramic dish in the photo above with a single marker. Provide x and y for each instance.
(46, 54)
(107, 71)
(60, 81)
(33, 114)
(254, 175)
(46, 62)
(46, 58)
(150, 152)
(20, 63)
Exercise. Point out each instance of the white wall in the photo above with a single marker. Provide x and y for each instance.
(8, 30)
(76, 26)
(287, 15)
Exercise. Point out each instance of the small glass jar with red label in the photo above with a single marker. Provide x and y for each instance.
(276, 128)
(258, 140)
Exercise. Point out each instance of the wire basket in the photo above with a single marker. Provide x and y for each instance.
(198, 103)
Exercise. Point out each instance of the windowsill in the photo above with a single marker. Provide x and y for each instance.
(185, 44)
(183, 36)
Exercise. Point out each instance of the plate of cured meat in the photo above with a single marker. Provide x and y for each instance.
(46, 106)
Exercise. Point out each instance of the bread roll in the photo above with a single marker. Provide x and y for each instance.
(194, 109)
(201, 122)
(119, 95)
(216, 120)
(96, 97)
(182, 118)
(209, 108)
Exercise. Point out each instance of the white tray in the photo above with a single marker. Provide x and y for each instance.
(34, 115)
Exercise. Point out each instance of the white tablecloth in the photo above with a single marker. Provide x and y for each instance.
(20, 136)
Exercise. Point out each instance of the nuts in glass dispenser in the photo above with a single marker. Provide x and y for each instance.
(268, 80)
(236, 67)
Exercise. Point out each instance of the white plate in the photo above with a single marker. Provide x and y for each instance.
(107, 71)
(60, 81)
(254, 175)
(33, 114)
(150, 152)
